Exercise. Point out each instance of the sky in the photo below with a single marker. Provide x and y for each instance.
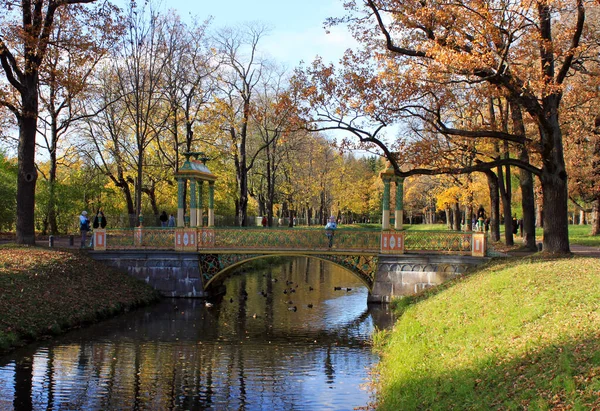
(297, 26)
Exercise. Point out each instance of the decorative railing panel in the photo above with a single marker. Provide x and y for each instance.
(120, 238)
(438, 241)
(145, 238)
(296, 238)
(159, 238)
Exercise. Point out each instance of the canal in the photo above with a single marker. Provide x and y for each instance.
(293, 336)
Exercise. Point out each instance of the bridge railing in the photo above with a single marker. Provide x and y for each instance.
(231, 238)
(296, 238)
(452, 242)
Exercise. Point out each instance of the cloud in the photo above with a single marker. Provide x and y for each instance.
(291, 47)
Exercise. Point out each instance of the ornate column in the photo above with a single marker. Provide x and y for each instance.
(385, 217)
(193, 210)
(399, 212)
(180, 201)
(200, 205)
(211, 204)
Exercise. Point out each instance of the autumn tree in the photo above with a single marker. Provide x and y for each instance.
(25, 31)
(241, 71)
(527, 52)
(276, 125)
(63, 80)
(139, 66)
(189, 85)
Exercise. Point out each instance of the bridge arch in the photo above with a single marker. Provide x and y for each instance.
(215, 267)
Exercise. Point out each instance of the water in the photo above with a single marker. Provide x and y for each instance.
(257, 348)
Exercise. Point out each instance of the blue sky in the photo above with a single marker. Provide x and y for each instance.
(297, 31)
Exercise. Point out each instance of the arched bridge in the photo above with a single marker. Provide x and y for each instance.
(360, 251)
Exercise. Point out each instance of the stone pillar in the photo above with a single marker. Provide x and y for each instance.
(200, 205)
(385, 217)
(211, 204)
(180, 201)
(193, 210)
(399, 212)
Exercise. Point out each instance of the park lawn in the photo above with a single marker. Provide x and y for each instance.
(45, 292)
(519, 333)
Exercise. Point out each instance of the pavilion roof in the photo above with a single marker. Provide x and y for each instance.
(195, 168)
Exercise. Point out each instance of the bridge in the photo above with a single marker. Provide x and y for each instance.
(217, 250)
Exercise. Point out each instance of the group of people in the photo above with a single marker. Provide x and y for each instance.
(84, 225)
(166, 221)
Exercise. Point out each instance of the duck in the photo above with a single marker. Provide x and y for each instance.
(294, 308)
(337, 288)
(208, 305)
(231, 300)
(310, 288)
(310, 306)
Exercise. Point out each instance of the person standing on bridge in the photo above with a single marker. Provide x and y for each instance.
(163, 219)
(330, 230)
(84, 227)
(171, 222)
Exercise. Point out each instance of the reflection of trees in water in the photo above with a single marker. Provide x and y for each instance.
(23, 384)
(184, 355)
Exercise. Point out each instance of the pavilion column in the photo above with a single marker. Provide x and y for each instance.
(385, 217)
(399, 212)
(193, 208)
(200, 205)
(181, 182)
(211, 204)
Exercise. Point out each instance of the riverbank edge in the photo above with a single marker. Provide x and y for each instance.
(48, 292)
(507, 335)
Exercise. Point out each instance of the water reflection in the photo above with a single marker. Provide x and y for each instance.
(279, 339)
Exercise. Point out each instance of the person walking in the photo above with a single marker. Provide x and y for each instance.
(171, 222)
(264, 221)
(84, 227)
(330, 230)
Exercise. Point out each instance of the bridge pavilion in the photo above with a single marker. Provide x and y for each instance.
(195, 172)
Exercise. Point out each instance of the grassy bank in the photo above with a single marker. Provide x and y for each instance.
(518, 334)
(45, 292)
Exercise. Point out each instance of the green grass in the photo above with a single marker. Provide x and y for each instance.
(580, 235)
(517, 334)
(45, 292)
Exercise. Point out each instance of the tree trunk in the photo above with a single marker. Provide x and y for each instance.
(596, 216)
(554, 188)
(506, 208)
(528, 205)
(526, 183)
(494, 215)
(457, 218)
(27, 174)
(556, 230)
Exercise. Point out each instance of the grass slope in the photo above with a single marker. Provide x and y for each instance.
(45, 292)
(517, 334)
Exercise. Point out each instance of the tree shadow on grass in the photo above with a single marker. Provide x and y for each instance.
(564, 376)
